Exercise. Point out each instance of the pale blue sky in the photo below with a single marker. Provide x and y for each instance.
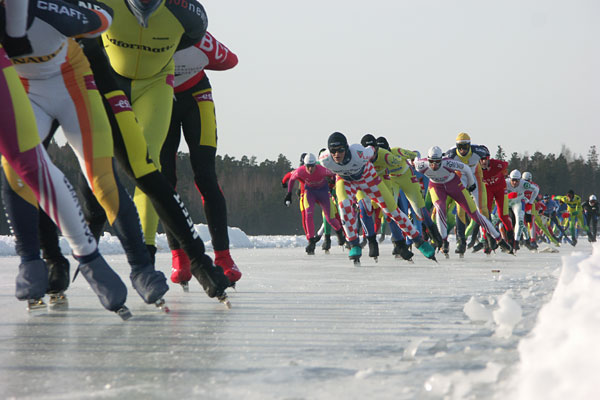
(518, 73)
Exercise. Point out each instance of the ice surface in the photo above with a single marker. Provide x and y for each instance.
(315, 327)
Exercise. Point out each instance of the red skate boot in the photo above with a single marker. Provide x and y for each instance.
(223, 259)
(180, 270)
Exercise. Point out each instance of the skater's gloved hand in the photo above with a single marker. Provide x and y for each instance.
(288, 199)
(16, 46)
(472, 188)
(284, 185)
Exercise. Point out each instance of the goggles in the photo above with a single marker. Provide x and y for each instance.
(336, 150)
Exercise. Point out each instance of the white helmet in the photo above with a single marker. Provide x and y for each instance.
(435, 153)
(515, 174)
(527, 176)
(593, 197)
(310, 159)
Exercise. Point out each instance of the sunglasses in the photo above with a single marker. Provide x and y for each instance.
(336, 150)
(310, 165)
(463, 146)
(437, 162)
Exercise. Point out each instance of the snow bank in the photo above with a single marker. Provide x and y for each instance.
(110, 244)
(560, 358)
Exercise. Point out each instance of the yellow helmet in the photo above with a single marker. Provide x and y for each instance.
(463, 138)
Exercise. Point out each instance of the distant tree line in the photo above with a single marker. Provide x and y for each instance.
(255, 196)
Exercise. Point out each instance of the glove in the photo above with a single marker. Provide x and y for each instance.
(288, 199)
(284, 185)
(472, 188)
(16, 47)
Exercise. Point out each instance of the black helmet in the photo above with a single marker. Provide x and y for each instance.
(383, 143)
(485, 152)
(368, 140)
(337, 139)
(302, 158)
(143, 9)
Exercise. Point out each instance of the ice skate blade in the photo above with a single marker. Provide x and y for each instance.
(225, 301)
(162, 305)
(58, 301)
(124, 313)
(185, 286)
(376, 259)
(326, 251)
(447, 256)
(34, 305)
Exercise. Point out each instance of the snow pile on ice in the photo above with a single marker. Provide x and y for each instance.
(508, 314)
(477, 311)
(110, 244)
(561, 357)
(459, 384)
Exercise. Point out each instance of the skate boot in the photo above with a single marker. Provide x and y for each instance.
(340, 237)
(425, 248)
(492, 243)
(574, 241)
(58, 282)
(223, 259)
(373, 247)
(533, 245)
(460, 246)
(487, 249)
(211, 277)
(32, 282)
(326, 246)
(180, 269)
(58, 274)
(310, 248)
(105, 282)
(150, 284)
(528, 245)
(473, 240)
(436, 237)
(479, 245)
(355, 254)
(446, 249)
(401, 250)
(503, 245)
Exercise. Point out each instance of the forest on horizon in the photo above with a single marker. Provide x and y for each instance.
(255, 197)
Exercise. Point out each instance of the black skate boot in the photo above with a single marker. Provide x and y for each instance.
(340, 237)
(487, 248)
(473, 240)
(211, 277)
(31, 283)
(401, 250)
(446, 249)
(492, 242)
(105, 282)
(150, 284)
(503, 245)
(460, 246)
(326, 246)
(373, 247)
(58, 281)
(479, 245)
(310, 248)
(435, 236)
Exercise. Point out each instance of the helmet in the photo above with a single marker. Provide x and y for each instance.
(515, 174)
(337, 139)
(485, 152)
(383, 143)
(463, 138)
(546, 197)
(527, 176)
(302, 158)
(368, 140)
(143, 9)
(571, 193)
(593, 197)
(310, 159)
(435, 154)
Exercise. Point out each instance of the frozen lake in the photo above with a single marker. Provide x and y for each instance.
(301, 327)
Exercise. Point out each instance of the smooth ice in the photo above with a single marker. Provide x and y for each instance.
(307, 327)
